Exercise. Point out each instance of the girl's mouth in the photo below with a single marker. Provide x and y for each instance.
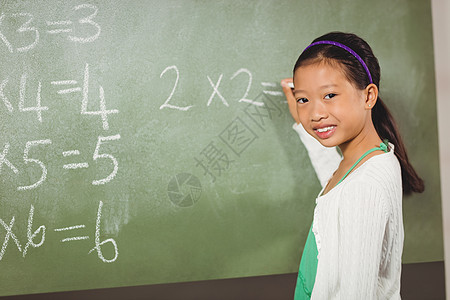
(325, 132)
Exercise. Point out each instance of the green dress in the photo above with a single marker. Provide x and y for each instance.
(308, 264)
(308, 268)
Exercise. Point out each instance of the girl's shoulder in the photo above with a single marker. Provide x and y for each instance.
(379, 177)
(383, 169)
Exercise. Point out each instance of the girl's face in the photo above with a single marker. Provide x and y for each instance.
(329, 107)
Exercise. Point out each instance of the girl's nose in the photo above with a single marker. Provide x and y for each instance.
(318, 111)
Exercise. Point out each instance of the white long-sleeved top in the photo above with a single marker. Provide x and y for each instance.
(358, 226)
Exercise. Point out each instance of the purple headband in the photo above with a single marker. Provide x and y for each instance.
(346, 48)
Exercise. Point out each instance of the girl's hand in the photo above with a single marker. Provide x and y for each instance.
(292, 103)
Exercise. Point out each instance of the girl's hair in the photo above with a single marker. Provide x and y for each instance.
(383, 121)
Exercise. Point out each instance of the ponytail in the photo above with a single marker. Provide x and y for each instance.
(387, 128)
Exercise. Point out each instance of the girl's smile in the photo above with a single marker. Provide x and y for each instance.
(325, 131)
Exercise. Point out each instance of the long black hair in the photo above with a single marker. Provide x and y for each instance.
(382, 119)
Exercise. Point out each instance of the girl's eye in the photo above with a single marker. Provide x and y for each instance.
(302, 100)
(329, 96)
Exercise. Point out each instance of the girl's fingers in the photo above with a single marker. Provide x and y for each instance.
(292, 103)
(287, 89)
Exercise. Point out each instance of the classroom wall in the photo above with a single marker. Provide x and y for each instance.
(441, 36)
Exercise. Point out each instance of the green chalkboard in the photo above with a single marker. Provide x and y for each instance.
(149, 142)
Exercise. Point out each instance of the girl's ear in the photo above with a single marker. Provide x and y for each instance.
(371, 96)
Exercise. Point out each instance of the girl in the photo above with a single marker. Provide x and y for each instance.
(354, 248)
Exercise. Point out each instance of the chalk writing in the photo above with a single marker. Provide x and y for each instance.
(271, 92)
(3, 96)
(67, 82)
(58, 23)
(28, 159)
(38, 108)
(71, 152)
(25, 27)
(244, 98)
(216, 93)
(74, 238)
(21, 32)
(31, 236)
(4, 160)
(166, 104)
(98, 244)
(2, 37)
(74, 165)
(29, 32)
(87, 20)
(102, 112)
(36, 161)
(36, 238)
(107, 156)
(9, 234)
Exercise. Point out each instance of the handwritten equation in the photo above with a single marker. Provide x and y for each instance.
(62, 87)
(36, 238)
(68, 153)
(28, 30)
(216, 92)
